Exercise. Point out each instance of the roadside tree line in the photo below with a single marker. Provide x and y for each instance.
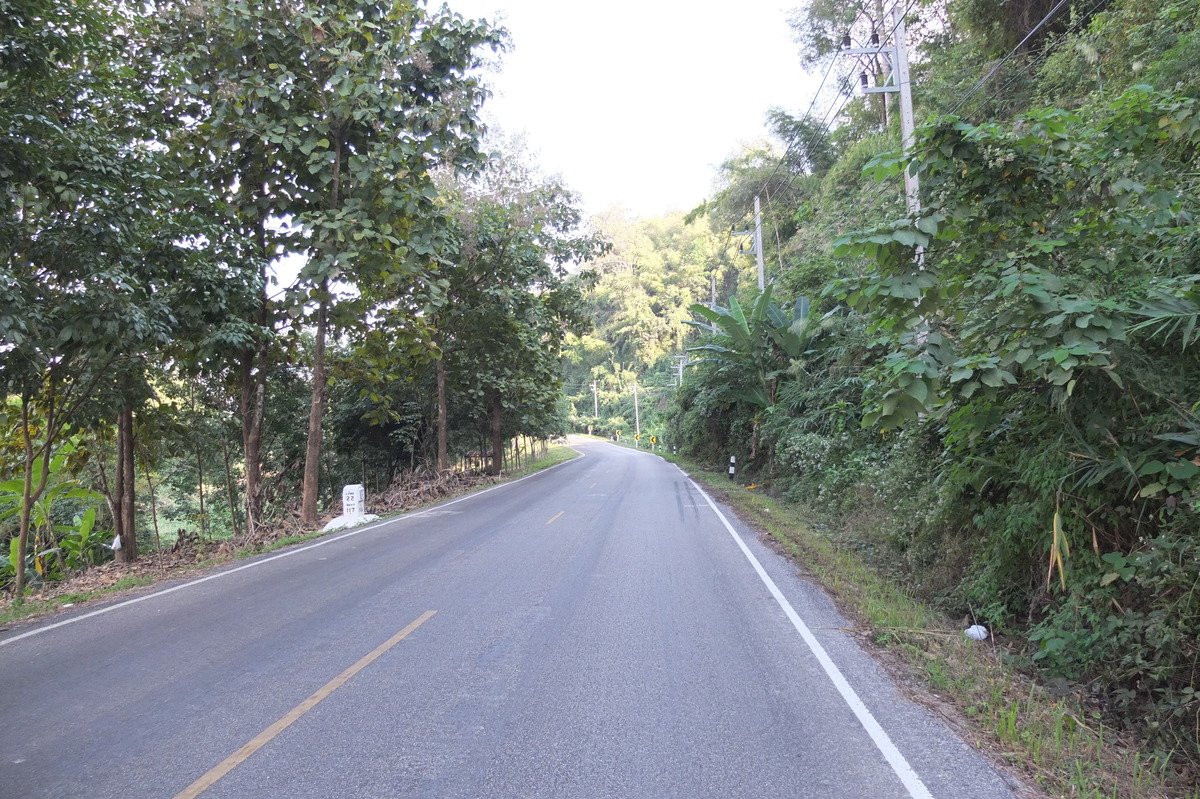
(165, 168)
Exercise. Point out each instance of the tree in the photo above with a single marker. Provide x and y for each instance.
(758, 348)
(511, 299)
(328, 117)
(101, 271)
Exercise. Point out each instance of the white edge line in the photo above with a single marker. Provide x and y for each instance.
(287, 553)
(899, 764)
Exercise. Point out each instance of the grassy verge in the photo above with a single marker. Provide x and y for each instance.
(36, 606)
(555, 454)
(1057, 743)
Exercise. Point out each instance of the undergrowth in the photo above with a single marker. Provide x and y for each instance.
(1059, 742)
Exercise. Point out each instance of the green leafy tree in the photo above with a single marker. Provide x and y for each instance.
(100, 265)
(331, 117)
(512, 299)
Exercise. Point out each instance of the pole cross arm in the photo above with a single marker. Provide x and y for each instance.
(883, 49)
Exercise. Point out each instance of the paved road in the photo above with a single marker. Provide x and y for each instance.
(598, 630)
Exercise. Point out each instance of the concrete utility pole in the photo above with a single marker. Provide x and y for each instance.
(756, 247)
(912, 186)
(595, 400)
(898, 82)
(681, 361)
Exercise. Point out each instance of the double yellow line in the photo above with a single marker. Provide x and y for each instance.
(263, 738)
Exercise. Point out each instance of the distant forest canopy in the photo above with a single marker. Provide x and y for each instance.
(994, 397)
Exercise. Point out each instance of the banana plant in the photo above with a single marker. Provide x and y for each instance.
(82, 544)
(758, 348)
(8, 562)
(82, 550)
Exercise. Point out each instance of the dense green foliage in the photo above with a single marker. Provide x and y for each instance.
(638, 303)
(156, 162)
(994, 398)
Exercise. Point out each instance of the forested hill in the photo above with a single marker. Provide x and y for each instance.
(996, 395)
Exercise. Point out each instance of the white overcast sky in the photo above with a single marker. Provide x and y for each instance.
(636, 102)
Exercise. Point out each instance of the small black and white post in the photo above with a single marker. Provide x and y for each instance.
(732, 466)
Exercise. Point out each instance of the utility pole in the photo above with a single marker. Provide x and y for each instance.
(681, 362)
(756, 247)
(912, 186)
(897, 82)
(595, 400)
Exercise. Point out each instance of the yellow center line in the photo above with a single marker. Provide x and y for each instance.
(554, 518)
(263, 738)
(593, 485)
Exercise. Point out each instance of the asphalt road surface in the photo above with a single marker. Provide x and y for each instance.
(600, 629)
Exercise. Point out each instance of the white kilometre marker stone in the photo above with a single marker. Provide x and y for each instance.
(354, 501)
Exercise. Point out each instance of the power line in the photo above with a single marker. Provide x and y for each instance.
(816, 95)
(824, 128)
(826, 120)
(1042, 56)
(1032, 63)
(1011, 53)
(884, 187)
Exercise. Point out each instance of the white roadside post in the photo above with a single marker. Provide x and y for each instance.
(354, 497)
(732, 466)
(354, 503)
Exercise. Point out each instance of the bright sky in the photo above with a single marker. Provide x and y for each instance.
(636, 102)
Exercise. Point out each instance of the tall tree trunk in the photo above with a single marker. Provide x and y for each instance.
(200, 487)
(251, 402)
(253, 395)
(126, 488)
(29, 492)
(497, 434)
(312, 457)
(233, 516)
(442, 423)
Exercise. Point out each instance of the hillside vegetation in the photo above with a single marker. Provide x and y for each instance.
(994, 399)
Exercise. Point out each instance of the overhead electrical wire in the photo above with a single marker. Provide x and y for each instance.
(1011, 53)
(828, 117)
(885, 186)
(1042, 56)
(872, 202)
(816, 95)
